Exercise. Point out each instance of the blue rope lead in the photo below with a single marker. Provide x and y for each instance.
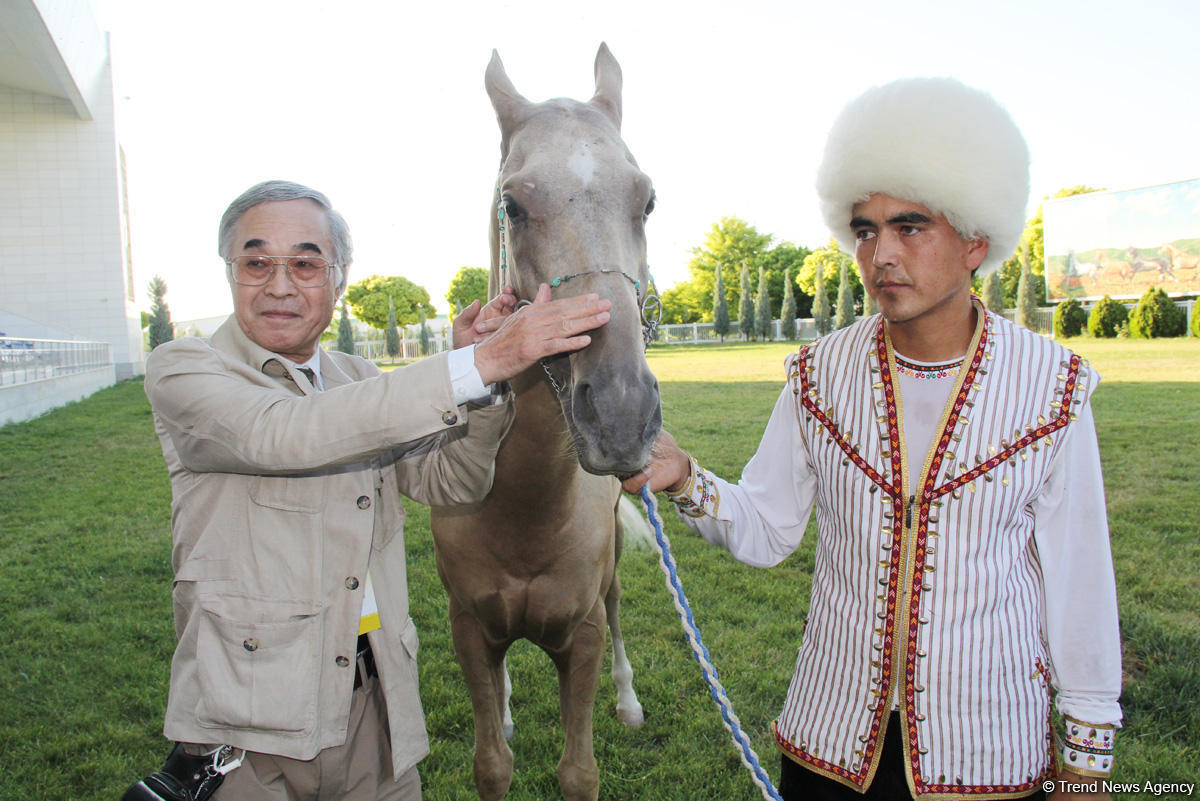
(700, 653)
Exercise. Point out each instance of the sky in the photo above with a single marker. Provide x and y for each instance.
(381, 106)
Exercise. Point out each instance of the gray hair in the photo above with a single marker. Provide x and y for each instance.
(274, 191)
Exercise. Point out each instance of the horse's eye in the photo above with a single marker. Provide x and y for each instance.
(650, 205)
(512, 209)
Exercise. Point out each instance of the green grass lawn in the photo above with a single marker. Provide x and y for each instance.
(85, 597)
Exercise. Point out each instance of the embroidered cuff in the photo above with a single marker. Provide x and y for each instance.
(699, 495)
(1087, 748)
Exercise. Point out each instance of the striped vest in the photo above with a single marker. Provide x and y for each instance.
(932, 600)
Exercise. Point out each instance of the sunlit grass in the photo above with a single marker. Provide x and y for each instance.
(85, 597)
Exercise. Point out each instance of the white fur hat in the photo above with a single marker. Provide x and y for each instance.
(936, 142)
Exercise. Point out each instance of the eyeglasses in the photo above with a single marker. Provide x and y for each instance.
(304, 271)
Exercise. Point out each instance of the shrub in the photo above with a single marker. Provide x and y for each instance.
(1069, 319)
(1156, 315)
(1106, 318)
(1196, 319)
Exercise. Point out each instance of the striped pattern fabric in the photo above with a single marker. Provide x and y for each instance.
(932, 601)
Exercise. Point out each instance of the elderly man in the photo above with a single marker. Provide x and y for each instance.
(963, 573)
(295, 672)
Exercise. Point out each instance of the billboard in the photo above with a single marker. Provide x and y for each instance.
(1123, 243)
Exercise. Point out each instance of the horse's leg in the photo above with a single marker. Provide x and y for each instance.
(508, 721)
(629, 710)
(484, 672)
(578, 675)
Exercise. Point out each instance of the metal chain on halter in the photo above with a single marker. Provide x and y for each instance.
(650, 304)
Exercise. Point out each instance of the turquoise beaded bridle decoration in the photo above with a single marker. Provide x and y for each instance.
(651, 305)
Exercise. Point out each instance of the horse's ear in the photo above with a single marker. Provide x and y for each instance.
(506, 100)
(608, 85)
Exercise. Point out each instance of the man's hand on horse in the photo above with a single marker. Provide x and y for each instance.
(476, 322)
(541, 329)
(669, 468)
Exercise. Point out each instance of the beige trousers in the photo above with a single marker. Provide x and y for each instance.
(358, 770)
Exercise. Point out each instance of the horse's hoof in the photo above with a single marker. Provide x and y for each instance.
(631, 717)
(508, 732)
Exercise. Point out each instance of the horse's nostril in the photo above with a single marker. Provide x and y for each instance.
(583, 402)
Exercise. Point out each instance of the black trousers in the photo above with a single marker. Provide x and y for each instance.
(797, 783)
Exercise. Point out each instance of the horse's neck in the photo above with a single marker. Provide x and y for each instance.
(536, 463)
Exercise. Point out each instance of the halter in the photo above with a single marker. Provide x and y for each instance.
(650, 304)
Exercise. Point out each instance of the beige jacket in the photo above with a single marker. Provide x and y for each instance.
(282, 499)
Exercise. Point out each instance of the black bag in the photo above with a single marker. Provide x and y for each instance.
(182, 778)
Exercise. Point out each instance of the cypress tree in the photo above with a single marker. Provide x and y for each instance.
(762, 308)
(1026, 302)
(426, 345)
(392, 333)
(820, 308)
(845, 298)
(993, 292)
(161, 329)
(345, 340)
(787, 314)
(746, 305)
(869, 306)
(720, 307)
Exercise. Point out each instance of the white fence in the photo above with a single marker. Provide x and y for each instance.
(692, 333)
(25, 360)
(37, 375)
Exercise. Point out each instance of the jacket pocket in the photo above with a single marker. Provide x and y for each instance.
(289, 493)
(258, 676)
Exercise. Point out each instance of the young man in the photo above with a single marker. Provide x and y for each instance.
(296, 659)
(963, 573)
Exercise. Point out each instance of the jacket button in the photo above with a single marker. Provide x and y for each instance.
(250, 644)
(352, 583)
(449, 418)
(342, 661)
(364, 502)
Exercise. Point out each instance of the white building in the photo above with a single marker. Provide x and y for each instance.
(65, 271)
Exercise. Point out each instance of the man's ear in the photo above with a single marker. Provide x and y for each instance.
(977, 250)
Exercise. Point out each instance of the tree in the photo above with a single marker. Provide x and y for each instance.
(733, 243)
(683, 303)
(1069, 319)
(720, 307)
(1156, 315)
(869, 306)
(821, 302)
(468, 285)
(831, 259)
(845, 298)
(161, 329)
(368, 299)
(746, 305)
(425, 344)
(762, 308)
(1026, 294)
(392, 335)
(1194, 325)
(1106, 318)
(777, 262)
(993, 292)
(787, 314)
(345, 336)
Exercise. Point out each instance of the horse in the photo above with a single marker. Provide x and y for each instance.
(537, 558)
(1184, 262)
(1140, 264)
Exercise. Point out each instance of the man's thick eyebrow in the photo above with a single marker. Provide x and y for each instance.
(909, 218)
(305, 247)
(861, 222)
